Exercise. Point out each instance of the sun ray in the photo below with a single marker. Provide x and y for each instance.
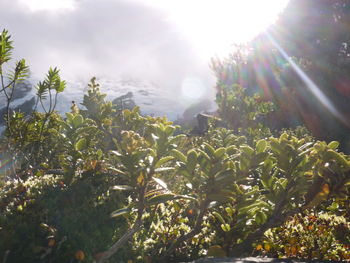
(312, 87)
(213, 26)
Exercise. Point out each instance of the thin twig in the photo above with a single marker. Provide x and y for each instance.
(7, 252)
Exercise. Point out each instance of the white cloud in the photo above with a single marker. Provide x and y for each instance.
(113, 38)
(45, 5)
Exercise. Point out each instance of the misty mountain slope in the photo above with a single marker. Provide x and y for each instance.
(151, 98)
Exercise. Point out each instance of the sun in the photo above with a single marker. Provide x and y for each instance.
(48, 5)
(213, 26)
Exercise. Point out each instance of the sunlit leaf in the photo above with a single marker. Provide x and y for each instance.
(225, 227)
(160, 182)
(121, 211)
(162, 198)
(191, 160)
(247, 149)
(333, 145)
(78, 120)
(209, 149)
(163, 161)
(122, 187)
(219, 217)
(81, 144)
(116, 153)
(219, 153)
(140, 179)
(178, 155)
(261, 146)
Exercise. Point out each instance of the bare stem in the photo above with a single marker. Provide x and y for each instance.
(135, 228)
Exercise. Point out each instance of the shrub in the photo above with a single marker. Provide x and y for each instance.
(170, 196)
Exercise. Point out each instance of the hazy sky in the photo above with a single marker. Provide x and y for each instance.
(168, 42)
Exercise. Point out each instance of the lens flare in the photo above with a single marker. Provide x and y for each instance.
(5, 162)
(314, 89)
(193, 88)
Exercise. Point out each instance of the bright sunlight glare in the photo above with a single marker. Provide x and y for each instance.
(310, 84)
(50, 5)
(213, 26)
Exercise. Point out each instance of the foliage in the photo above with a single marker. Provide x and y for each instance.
(26, 136)
(315, 236)
(241, 111)
(325, 60)
(104, 184)
(43, 219)
(167, 223)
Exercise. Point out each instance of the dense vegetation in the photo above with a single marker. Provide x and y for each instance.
(301, 63)
(107, 184)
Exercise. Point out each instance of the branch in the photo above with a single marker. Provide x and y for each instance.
(277, 218)
(195, 230)
(7, 252)
(136, 227)
(113, 249)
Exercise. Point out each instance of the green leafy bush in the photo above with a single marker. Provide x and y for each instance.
(314, 236)
(100, 184)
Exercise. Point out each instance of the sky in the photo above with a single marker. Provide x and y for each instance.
(166, 42)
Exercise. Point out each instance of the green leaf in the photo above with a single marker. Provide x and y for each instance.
(60, 87)
(5, 47)
(261, 146)
(186, 197)
(304, 146)
(219, 217)
(160, 182)
(121, 211)
(219, 153)
(162, 198)
(333, 145)
(122, 187)
(178, 155)
(224, 176)
(78, 120)
(225, 227)
(284, 136)
(116, 153)
(81, 144)
(204, 155)
(169, 130)
(209, 149)
(70, 117)
(339, 158)
(99, 154)
(41, 90)
(219, 198)
(163, 161)
(229, 211)
(275, 145)
(117, 170)
(191, 160)
(175, 139)
(260, 217)
(247, 149)
(237, 189)
(261, 157)
(20, 72)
